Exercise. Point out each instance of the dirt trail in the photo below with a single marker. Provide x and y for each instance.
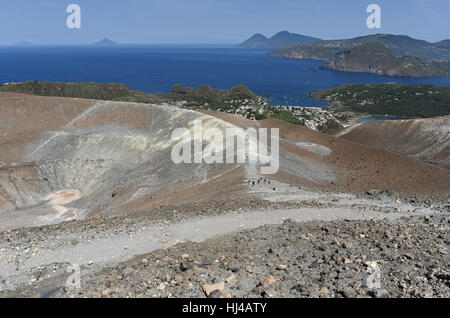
(117, 245)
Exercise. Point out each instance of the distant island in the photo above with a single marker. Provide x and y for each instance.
(383, 54)
(443, 44)
(376, 58)
(105, 42)
(259, 41)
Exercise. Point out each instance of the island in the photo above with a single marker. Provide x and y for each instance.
(259, 41)
(105, 42)
(383, 54)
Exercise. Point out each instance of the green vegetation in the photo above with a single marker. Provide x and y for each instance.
(330, 126)
(201, 97)
(115, 92)
(389, 99)
(282, 115)
(208, 98)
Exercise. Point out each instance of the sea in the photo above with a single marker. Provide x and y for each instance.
(377, 118)
(156, 68)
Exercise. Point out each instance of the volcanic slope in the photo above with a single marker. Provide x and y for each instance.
(358, 168)
(422, 139)
(65, 159)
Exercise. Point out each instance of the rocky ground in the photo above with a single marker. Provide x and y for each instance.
(333, 259)
(291, 260)
(317, 255)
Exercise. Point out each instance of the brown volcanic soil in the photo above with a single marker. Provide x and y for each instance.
(227, 181)
(25, 117)
(424, 139)
(363, 168)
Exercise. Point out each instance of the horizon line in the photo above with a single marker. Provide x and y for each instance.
(30, 43)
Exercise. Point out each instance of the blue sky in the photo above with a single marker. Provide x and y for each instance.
(215, 21)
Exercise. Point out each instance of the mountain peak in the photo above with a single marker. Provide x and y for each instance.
(281, 38)
(258, 35)
(445, 44)
(105, 42)
(283, 32)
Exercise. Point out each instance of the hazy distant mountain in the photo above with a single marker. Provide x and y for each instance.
(395, 55)
(401, 45)
(256, 41)
(284, 37)
(105, 42)
(278, 40)
(443, 44)
(24, 43)
(376, 58)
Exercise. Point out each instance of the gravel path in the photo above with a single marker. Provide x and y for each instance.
(25, 258)
(405, 257)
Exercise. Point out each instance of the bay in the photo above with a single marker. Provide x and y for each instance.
(156, 68)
